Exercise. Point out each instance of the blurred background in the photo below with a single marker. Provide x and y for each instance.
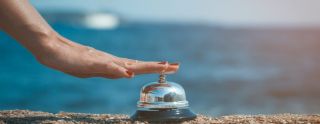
(237, 57)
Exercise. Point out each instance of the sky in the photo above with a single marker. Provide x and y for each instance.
(223, 12)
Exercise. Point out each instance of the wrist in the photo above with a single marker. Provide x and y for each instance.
(39, 40)
(38, 34)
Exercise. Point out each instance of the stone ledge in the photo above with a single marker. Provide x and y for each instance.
(25, 116)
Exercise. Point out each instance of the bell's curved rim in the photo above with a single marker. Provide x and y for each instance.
(179, 104)
(165, 115)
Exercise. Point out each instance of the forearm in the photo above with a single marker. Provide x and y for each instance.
(20, 20)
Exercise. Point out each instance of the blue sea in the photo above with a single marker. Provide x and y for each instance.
(223, 70)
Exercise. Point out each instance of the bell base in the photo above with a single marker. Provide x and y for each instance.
(163, 115)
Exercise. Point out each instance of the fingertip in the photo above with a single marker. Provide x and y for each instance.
(172, 68)
(174, 64)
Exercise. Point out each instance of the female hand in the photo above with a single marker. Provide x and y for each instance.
(82, 61)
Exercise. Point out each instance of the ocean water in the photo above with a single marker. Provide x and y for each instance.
(223, 70)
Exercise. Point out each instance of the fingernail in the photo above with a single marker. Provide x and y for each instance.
(163, 63)
(131, 74)
(174, 64)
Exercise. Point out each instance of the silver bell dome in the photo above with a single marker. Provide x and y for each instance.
(162, 95)
(163, 102)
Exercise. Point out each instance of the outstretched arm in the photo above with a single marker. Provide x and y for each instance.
(20, 20)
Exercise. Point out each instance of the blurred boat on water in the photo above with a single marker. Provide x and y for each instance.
(91, 20)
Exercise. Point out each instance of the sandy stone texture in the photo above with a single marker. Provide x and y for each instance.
(38, 117)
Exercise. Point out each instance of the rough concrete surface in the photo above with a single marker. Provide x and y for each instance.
(26, 116)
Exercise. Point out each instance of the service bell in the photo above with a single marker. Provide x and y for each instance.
(163, 101)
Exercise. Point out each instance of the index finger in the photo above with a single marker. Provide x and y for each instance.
(152, 67)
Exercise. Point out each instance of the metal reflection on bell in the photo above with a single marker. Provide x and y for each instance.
(163, 101)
